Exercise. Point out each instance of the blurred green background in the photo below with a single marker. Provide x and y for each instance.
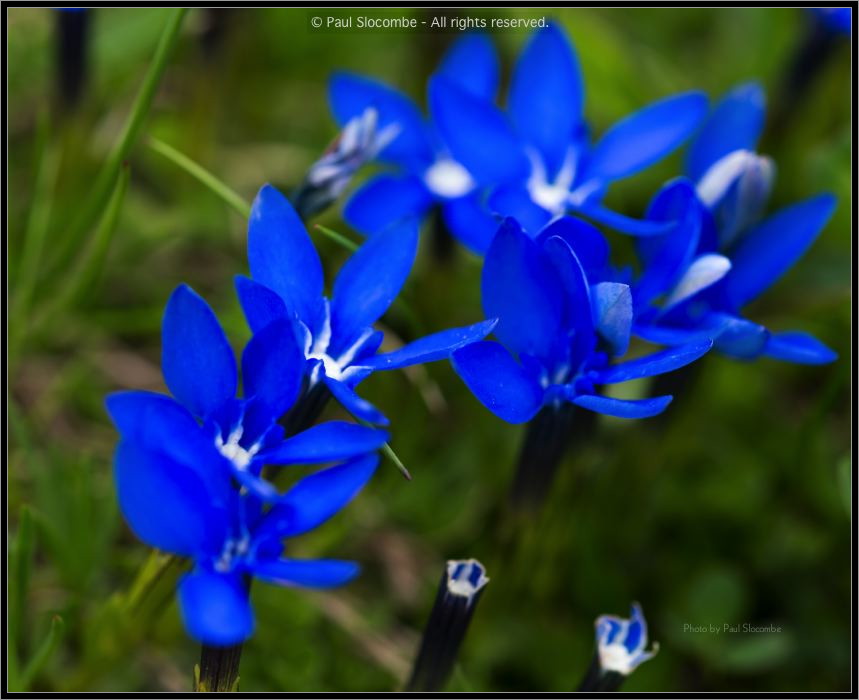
(733, 508)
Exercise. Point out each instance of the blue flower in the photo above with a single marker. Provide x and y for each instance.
(838, 20)
(427, 172)
(621, 643)
(560, 170)
(557, 331)
(718, 255)
(335, 338)
(188, 469)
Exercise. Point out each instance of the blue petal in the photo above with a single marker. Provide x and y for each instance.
(316, 498)
(351, 95)
(578, 316)
(666, 257)
(197, 361)
(515, 201)
(771, 248)
(547, 95)
(657, 363)
(624, 224)
(621, 408)
(795, 346)
(215, 608)
(737, 337)
(157, 422)
(385, 200)
(589, 245)
(437, 346)
(735, 123)
(645, 137)
(472, 63)
(498, 381)
(370, 280)
(477, 133)
(319, 573)
(470, 222)
(260, 304)
(703, 272)
(326, 442)
(282, 257)
(273, 368)
(522, 290)
(612, 309)
(354, 404)
(166, 503)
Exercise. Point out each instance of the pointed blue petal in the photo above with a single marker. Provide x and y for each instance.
(736, 337)
(470, 222)
(350, 95)
(215, 608)
(795, 346)
(477, 133)
(260, 304)
(165, 503)
(386, 200)
(645, 137)
(622, 408)
(703, 272)
(735, 123)
(197, 361)
(498, 381)
(317, 573)
(437, 346)
(515, 201)
(589, 245)
(354, 404)
(273, 368)
(370, 280)
(665, 257)
(547, 94)
(657, 363)
(522, 290)
(316, 498)
(326, 442)
(612, 309)
(624, 224)
(771, 248)
(472, 63)
(282, 257)
(158, 422)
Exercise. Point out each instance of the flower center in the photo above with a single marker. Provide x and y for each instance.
(233, 548)
(449, 179)
(555, 195)
(233, 451)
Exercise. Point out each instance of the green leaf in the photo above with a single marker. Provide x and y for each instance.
(22, 564)
(43, 654)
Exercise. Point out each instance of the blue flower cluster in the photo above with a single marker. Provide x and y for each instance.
(512, 185)
(189, 468)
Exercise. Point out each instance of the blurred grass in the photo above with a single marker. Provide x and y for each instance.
(734, 509)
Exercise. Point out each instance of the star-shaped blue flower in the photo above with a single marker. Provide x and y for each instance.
(719, 255)
(622, 643)
(336, 337)
(557, 332)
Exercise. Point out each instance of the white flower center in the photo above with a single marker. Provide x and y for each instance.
(233, 451)
(449, 179)
(555, 195)
(317, 349)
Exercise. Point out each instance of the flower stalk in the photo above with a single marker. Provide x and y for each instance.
(462, 583)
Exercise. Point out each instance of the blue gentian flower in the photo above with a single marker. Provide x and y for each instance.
(427, 173)
(838, 20)
(621, 644)
(558, 333)
(559, 169)
(719, 255)
(533, 163)
(188, 469)
(336, 337)
(205, 415)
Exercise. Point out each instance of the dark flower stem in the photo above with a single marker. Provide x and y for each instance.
(458, 593)
(218, 671)
(71, 57)
(599, 681)
(547, 438)
(306, 410)
(443, 244)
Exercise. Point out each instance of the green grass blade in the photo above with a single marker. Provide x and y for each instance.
(338, 238)
(43, 654)
(199, 173)
(22, 564)
(103, 185)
